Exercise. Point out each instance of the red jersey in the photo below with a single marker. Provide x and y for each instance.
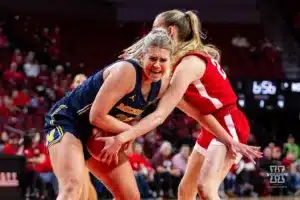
(213, 91)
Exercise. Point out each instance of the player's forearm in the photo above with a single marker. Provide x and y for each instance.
(191, 112)
(110, 124)
(210, 122)
(144, 126)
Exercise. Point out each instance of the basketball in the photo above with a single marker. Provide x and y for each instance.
(95, 146)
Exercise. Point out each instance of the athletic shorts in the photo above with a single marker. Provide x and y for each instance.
(60, 120)
(234, 122)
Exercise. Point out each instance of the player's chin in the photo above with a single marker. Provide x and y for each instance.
(155, 77)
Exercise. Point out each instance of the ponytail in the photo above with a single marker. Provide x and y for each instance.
(189, 33)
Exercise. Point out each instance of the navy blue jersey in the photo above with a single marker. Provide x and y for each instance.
(71, 113)
(129, 107)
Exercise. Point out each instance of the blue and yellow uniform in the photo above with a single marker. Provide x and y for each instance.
(71, 113)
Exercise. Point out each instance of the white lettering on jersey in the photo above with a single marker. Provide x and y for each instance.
(220, 70)
(202, 91)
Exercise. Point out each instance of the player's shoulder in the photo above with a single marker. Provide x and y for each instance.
(192, 63)
(124, 67)
(195, 57)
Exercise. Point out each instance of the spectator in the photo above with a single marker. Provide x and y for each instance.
(44, 74)
(276, 155)
(288, 160)
(142, 169)
(4, 112)
(247, 178)
(17, 57)
(78, 80)
(39, 166)
(291, 146)
(165, 173)
(295, 178)
(13, 76)
(3, 140)
(179, 161)
(240, 41)
(32, 69)
(12, 147)
(152, 141)
(266, 161)
(8, 102)
(20, 98)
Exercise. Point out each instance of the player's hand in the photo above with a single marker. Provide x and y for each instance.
(251, 152)
(110, 150)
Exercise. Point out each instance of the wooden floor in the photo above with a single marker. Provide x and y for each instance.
(262, 198)
(268, 198)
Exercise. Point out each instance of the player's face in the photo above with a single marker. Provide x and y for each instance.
(155, 62)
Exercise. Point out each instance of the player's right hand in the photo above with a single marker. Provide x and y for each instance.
(110, 150)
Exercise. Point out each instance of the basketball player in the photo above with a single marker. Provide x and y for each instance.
(200, 81)
(78, 80)
(107, 100)
(89, 189)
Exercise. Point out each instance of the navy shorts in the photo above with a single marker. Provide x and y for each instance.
(60, 120)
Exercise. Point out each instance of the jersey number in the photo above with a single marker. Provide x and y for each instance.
(220, 70)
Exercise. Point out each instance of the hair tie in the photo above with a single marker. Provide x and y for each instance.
(186, 15)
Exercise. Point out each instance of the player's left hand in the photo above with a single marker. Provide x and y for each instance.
(110, 150)
(251, 152)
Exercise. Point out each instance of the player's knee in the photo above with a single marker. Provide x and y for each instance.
(205, 190)
(71, 187)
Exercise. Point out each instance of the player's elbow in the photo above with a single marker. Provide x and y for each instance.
(94, 118)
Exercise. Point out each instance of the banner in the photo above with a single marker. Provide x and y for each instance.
(11, 176)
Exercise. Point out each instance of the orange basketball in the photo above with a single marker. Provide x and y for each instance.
(95, 146)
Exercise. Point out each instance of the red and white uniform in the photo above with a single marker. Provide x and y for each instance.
(213, 94)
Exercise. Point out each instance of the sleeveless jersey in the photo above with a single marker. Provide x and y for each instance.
(213, 90)
(79, 101)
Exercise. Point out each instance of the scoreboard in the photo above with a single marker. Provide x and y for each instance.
(268, 94)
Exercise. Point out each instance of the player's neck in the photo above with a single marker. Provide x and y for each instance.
(146, 81)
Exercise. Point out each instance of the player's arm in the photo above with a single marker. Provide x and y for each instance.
(189, 70)
(120, 81)
(191, 111)
(209, 122)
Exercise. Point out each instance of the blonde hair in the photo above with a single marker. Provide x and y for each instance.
(189, 33)
(156, 38)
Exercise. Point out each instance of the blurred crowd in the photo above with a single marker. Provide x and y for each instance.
(30, 84)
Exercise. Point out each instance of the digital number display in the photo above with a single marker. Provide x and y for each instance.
(281, 95)
(264, 87)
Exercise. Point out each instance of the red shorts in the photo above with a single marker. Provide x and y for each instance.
(235, 123)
